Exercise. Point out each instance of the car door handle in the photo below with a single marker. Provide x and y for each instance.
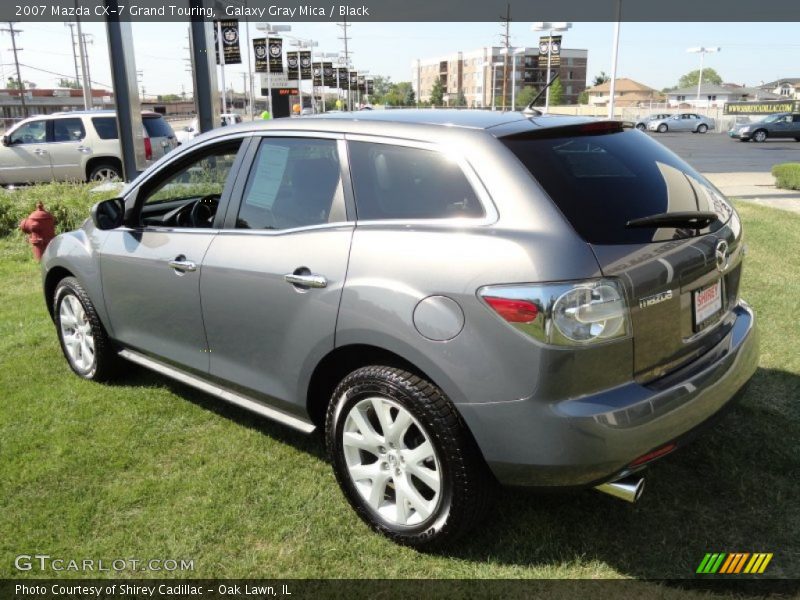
(179, 263)
(84, 149)
(306, 280)
(39, 152)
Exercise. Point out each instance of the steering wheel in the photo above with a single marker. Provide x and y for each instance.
(203, 210)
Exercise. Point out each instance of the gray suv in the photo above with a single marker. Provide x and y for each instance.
(455, 298)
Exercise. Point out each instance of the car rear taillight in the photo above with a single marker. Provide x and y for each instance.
(148, 149)
(564, 314)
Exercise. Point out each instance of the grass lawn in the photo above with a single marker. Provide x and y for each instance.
(148, 468)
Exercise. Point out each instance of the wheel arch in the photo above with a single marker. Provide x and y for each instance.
(51, 280)
(99, 160)
(341, 361)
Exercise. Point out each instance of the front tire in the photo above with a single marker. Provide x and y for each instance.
(640, 126)
(404, 458)
(83, 339)
(702, 128)
(663, 128)
(759, 136)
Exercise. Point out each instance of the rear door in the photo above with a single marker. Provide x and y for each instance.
(67, 149)
(680, 282)
(273, 277)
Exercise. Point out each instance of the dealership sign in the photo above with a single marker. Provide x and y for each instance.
(758, 108)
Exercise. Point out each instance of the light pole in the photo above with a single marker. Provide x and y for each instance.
(494, 64)
(302, 44)
(268, 31)
(702, 51)
(614, 57)
(513, 52)
(550, 27)
(321, 57)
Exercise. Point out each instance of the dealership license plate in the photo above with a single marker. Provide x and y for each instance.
(707, 304)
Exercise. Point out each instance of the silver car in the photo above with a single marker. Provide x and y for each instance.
(641, 122)
(682, 122)
(455, 298)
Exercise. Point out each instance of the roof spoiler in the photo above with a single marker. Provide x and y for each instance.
(573, 129)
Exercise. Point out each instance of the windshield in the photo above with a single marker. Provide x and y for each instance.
(601, 182)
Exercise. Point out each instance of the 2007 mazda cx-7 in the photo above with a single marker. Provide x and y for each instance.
(456, 297)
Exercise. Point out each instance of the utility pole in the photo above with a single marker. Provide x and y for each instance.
(87, 85)
(84, 38)
(74, 51)
(14, 48)
(506, 42)
(344, 25)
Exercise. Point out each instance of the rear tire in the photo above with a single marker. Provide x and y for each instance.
(105, 172)
(663, 128)
(702, 128)
(404, 458)
(640, 126)
(83, 339)
(759, 136)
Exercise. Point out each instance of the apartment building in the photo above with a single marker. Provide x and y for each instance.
(470, 74)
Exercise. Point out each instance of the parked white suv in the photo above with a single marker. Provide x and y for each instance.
(75, 146)
(192, 130)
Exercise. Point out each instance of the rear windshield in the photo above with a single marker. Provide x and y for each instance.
(157, 127)
(602, 181)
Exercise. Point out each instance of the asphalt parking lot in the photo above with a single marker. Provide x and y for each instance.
(717, 153)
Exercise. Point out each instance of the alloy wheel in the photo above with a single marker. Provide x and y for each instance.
(76, 331)
(391, 461)
(105, 174)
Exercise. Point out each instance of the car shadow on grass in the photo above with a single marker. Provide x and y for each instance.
(734, 489)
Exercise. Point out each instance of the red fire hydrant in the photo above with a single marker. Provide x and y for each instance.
(41, 228)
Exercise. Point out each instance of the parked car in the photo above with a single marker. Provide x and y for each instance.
(192, 130)
(641, 122)
(779, 125)
(682, 122)
(75, 146)
(389, 278)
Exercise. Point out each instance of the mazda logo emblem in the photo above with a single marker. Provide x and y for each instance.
(721, 255)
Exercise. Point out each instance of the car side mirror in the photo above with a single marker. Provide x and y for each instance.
(109, 214)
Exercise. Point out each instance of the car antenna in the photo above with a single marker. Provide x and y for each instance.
(529, 110)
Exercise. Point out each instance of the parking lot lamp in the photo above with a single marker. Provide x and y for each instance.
(551, 28)
(269, 30)
(702, 51)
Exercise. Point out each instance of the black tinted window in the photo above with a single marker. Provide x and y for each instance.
(293, 183)
(397, 182)
(600, 182)
(68, 130)
(157, 127)
(106, 127)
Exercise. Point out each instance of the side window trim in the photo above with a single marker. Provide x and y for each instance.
(237, 197)
(51, 133)
(476, 183)
(136, 197)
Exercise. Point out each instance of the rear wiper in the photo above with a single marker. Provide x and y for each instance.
(689, 219)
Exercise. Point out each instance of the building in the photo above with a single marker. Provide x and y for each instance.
(627, 92)
(713, 96)
(467, 76)
(784, 88)
(40, 101)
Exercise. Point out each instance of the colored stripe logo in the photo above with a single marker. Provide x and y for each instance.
(734, 563)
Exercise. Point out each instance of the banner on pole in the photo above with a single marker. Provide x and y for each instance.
(230, 41)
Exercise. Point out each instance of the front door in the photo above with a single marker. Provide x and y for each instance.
(273, 277)
(26, 157)
(151, 269)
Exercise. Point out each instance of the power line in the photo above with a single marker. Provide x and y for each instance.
(105, 85)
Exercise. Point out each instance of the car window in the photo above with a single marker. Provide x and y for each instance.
(399, 182)
(601, 182)
(293, 183)
(205, 175)
(106, 127)
(157, 127)
(68, 130)
(34, 132)
(796, 118)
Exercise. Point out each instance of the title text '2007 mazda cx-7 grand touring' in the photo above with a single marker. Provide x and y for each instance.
(456, 297)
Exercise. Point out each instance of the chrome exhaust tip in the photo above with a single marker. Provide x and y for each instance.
(628, 488)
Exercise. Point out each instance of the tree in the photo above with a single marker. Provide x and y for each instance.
(691, 78)
(461, 99)
(68, 83)
(411, 97)
(583, 97)
(525, 95)
(556, 93)
(601, 78)
(13, 84)
(380, 87)
(437, 93)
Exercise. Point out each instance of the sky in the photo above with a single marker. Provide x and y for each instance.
(651, 53)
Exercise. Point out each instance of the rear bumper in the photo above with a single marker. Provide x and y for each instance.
(587, 440)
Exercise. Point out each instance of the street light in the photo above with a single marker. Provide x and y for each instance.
(702, 51)
(494, 65)
(268, 31)
(550, 27)
(514, 51)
